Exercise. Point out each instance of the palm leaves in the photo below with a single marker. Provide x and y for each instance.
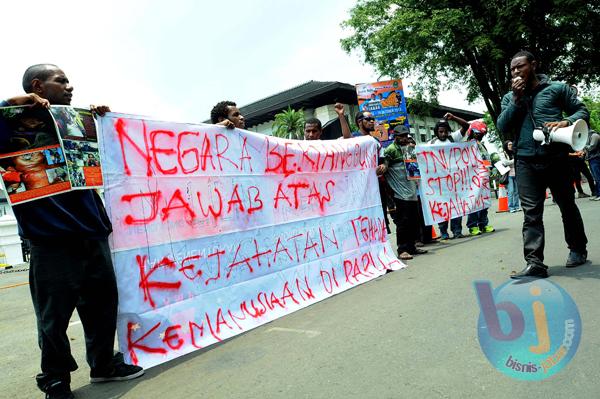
(289, 124)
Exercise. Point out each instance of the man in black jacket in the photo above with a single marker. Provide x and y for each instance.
(534, 102)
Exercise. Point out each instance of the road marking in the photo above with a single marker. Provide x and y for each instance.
(309, 333)
(74, 323)
(12, 286)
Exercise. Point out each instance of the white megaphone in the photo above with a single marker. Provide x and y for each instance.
(575, 135)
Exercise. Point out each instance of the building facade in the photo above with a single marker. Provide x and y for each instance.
(317, 99)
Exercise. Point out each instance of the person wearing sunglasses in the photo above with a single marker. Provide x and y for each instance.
(366, 125)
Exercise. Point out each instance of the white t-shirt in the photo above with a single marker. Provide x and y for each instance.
(457, 137)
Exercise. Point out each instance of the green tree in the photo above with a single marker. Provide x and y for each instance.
(289, 124)
(469, 43)
(593, 105)
(418, 106)
(493, 136)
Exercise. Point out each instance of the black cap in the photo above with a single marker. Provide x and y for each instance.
(401, 130)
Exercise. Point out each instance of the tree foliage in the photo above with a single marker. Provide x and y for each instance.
(493, 136)
(289, 124)
(469, 43)
(593, 105)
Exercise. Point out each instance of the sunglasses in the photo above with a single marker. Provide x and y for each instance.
(368, 119)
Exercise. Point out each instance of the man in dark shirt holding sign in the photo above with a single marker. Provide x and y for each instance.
(70, 264)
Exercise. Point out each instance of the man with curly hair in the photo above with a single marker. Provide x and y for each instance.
(226, 113)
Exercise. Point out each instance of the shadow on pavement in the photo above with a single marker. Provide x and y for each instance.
(588, 270)
(458, 241)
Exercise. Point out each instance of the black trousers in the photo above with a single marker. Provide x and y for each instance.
(64, 276)
(424, 230)
(384, 193)
(533, 177)
(580, 167)
(407, 225)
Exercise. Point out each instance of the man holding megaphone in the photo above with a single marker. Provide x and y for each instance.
(537, 104)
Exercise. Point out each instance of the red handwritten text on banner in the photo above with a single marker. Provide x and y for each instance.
(218, 231)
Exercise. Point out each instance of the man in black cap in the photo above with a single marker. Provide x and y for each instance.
(405, 195)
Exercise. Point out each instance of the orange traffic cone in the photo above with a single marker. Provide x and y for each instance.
(502, 199)
(434, 234)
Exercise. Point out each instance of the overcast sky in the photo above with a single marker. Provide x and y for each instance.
(175, 59)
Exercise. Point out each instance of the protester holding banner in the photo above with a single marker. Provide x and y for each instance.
(478, 222)
(541, 166)
(425, 232)
(70, 264)
(312, 129)
(366, 125)
(405, 196)
(226, 113)
(443, 135)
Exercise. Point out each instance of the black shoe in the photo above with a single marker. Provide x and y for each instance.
(419, 251)
(117, 371)
(576, 258)
(531, 271)
(58, 390)
(459, 235)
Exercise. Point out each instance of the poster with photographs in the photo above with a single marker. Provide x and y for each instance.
(77, 130)
(42, 155)
(409, 153)
(386, 101)
(84, 163)
(31, 159)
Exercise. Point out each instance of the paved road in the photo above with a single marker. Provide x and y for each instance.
(409, 334)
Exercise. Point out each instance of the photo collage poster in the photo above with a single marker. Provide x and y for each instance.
(47, 152)
(409, 154)
(77, 130)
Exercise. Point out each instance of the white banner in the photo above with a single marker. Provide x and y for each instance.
(455, 180)
(218, 231)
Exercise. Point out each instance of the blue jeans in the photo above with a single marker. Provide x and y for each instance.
(478, 219)
(455, 226)
(595, 167)
(513, 194)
